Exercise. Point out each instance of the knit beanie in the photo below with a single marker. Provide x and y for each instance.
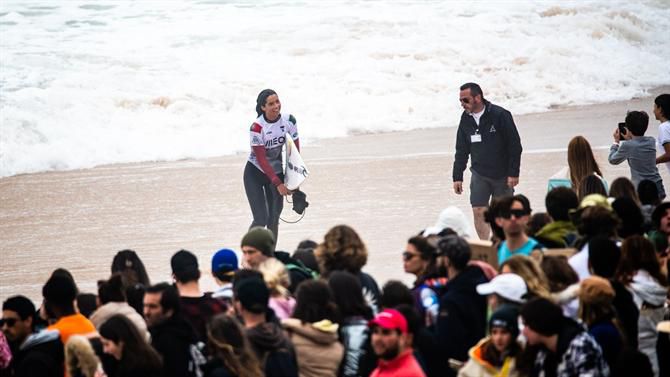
(507, 317)
(261, 239)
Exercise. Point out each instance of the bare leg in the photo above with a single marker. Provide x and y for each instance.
(483, 229)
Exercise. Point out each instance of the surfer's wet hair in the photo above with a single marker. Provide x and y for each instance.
(262, 99)
(475, 89)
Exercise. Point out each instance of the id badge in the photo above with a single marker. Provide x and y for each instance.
(476, 138)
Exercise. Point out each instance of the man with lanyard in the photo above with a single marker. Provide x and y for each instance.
(487, 133)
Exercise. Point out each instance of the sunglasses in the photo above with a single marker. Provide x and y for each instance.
(465, 100)
(514, 212)
(10, 322)
(408, 256)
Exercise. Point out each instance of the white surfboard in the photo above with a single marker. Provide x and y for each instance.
(295, 170)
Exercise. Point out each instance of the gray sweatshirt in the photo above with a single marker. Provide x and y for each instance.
(640, 151)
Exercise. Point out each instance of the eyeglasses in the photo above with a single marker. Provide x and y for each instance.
(465, 100)
(513, 212)
(408, 256)
(10, 322)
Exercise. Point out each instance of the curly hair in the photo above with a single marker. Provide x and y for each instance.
(341, 249)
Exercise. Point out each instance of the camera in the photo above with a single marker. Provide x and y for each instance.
(622, 128)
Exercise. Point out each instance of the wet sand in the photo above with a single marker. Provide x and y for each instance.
(386, 186)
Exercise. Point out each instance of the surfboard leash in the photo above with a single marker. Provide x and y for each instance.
(293, 222)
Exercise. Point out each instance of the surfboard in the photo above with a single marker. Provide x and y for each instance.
(295, 171)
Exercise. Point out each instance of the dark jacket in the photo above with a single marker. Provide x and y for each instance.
(273, 349)
(173, 339)
(609, 339)
(498, 155)
(627, 312)
(371, 291)
(461, 321)
(42, 354)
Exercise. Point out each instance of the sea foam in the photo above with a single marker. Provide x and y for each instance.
(84, 84)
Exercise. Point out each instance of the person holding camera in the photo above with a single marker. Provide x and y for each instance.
(263, 174)
(640, 151)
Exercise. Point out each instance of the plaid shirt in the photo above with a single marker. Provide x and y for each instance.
(583, 357)
(198, 310)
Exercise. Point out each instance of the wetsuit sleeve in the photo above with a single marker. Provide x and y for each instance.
(462, 153)
(262, 159)
(258, 147)
(513, 144)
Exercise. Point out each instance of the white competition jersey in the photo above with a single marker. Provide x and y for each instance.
(273, 137)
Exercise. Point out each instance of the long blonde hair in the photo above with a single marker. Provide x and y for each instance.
(532, 274)
(581, 161)
(276, 277)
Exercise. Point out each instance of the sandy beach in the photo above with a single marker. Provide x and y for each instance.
(387, 186)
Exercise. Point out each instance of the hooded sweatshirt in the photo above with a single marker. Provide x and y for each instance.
(317, 347)
(41, 354)
(274, 350)
(173, 339)
(477, 366)
(461, 321)
(649, 297)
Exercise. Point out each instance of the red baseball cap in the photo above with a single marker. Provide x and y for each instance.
(390, 319)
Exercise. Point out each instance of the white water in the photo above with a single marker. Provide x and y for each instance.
(90, 83)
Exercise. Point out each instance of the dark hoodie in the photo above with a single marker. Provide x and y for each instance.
(273, 349)
(173, 339)
(461, 321)
(42, 354)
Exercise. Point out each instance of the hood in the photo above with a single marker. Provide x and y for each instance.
(80, 356)
(452, 217)
(647, 289)
(476, 354)
(38, 338)
(556, 231)
(322, 332)
(267, 336)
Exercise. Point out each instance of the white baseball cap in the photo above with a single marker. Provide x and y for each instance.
(509, 286)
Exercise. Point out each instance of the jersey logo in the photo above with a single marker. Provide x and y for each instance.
(256, 140)
(493, 129)
(276, 141)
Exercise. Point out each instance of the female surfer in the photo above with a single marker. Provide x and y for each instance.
(263, 175)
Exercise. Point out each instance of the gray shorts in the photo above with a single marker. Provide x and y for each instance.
(482, 188)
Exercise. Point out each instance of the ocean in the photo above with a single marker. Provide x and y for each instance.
(86, 83)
